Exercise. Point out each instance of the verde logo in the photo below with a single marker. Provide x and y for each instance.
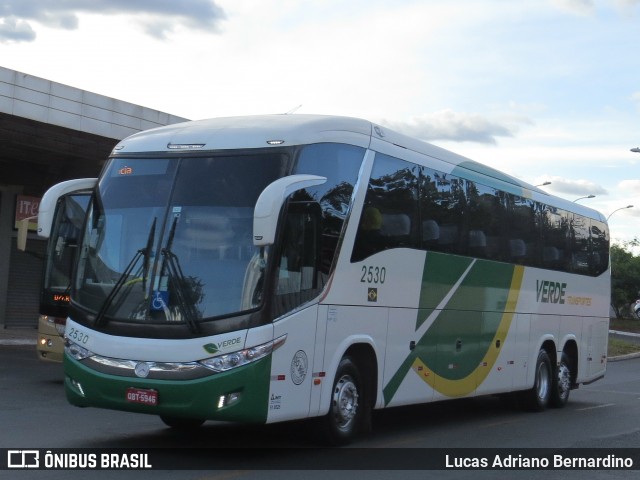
(550, 292)
(214, 348)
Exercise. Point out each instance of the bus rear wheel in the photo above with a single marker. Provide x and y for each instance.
(538, 397)
(344, 419)
(182, 423)
(561, 383)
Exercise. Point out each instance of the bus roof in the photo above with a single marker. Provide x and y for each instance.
(263, 131)
(258, 131)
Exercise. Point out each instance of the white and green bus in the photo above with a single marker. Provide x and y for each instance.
(271, 268)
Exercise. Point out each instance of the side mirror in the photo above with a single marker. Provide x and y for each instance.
(267, 210)
(50, 199)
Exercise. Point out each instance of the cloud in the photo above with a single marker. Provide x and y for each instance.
(582, 7)
(630, 186)
(14, 30)
(158, 18)
(627, 3)
(456, 126)
(588, 7)
(579, 188)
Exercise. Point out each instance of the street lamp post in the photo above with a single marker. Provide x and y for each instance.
(588, 196)
(617, 209)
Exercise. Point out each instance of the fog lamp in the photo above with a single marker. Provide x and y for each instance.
(77, 385)
(228, 399)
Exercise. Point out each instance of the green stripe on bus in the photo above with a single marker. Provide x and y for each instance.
(469, 321)
(440, 273)
(463, 336)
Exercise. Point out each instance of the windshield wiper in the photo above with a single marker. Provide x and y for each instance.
(178, 281)
(147, 254)
(100, 317)
(122, 279)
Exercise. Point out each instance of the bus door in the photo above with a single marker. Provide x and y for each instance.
(297, 284)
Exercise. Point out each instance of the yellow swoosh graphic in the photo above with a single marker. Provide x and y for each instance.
(466, 385)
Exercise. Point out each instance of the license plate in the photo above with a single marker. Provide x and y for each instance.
(142, 396)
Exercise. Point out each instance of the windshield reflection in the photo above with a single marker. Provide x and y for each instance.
(170, 240)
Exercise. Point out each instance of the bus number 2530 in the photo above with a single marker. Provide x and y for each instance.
(372, 274)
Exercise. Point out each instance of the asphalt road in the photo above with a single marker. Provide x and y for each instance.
(34, 414)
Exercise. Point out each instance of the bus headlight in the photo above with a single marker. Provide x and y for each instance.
(222, 363)
(76, 351)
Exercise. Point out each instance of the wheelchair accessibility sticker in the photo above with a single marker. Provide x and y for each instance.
(160, 300)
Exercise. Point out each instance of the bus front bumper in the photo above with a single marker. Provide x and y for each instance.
(238, 395)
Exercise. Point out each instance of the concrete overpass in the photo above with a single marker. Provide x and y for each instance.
(50, 132)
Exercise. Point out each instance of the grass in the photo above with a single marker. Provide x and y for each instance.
(618, 346)
(625, 325)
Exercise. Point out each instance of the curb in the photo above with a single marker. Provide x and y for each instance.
(18, 341)
(619, 358)
(628, 356)
(625, 334)
(18, 336)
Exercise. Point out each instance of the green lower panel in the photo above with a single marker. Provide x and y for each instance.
(189, 398)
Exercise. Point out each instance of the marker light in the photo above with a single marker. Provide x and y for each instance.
(185, 146)
(275, 142)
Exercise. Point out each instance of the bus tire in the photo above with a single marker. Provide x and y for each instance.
(561, 385)
(345, 417)
(182, 423)
(538, 397)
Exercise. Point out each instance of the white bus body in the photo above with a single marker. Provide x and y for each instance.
(378, 271)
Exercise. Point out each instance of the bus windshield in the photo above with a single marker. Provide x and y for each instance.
(61, 251)
(169, 240)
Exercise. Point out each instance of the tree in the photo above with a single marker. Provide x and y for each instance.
(625, 277)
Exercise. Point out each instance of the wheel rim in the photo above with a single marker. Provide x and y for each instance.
(345, 402)
(564, 380)
(543, 381)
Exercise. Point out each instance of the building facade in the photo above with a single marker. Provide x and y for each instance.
(49, 133)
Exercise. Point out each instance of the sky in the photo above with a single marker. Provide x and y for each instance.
(545, 90)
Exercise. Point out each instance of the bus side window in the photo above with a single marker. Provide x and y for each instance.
(340, 164)
(600, 247)
(580, 243)
(389, 216)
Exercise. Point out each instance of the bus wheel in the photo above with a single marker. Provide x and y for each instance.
(561, 383)
(344, 419)
(182, 423)
(537, 398)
